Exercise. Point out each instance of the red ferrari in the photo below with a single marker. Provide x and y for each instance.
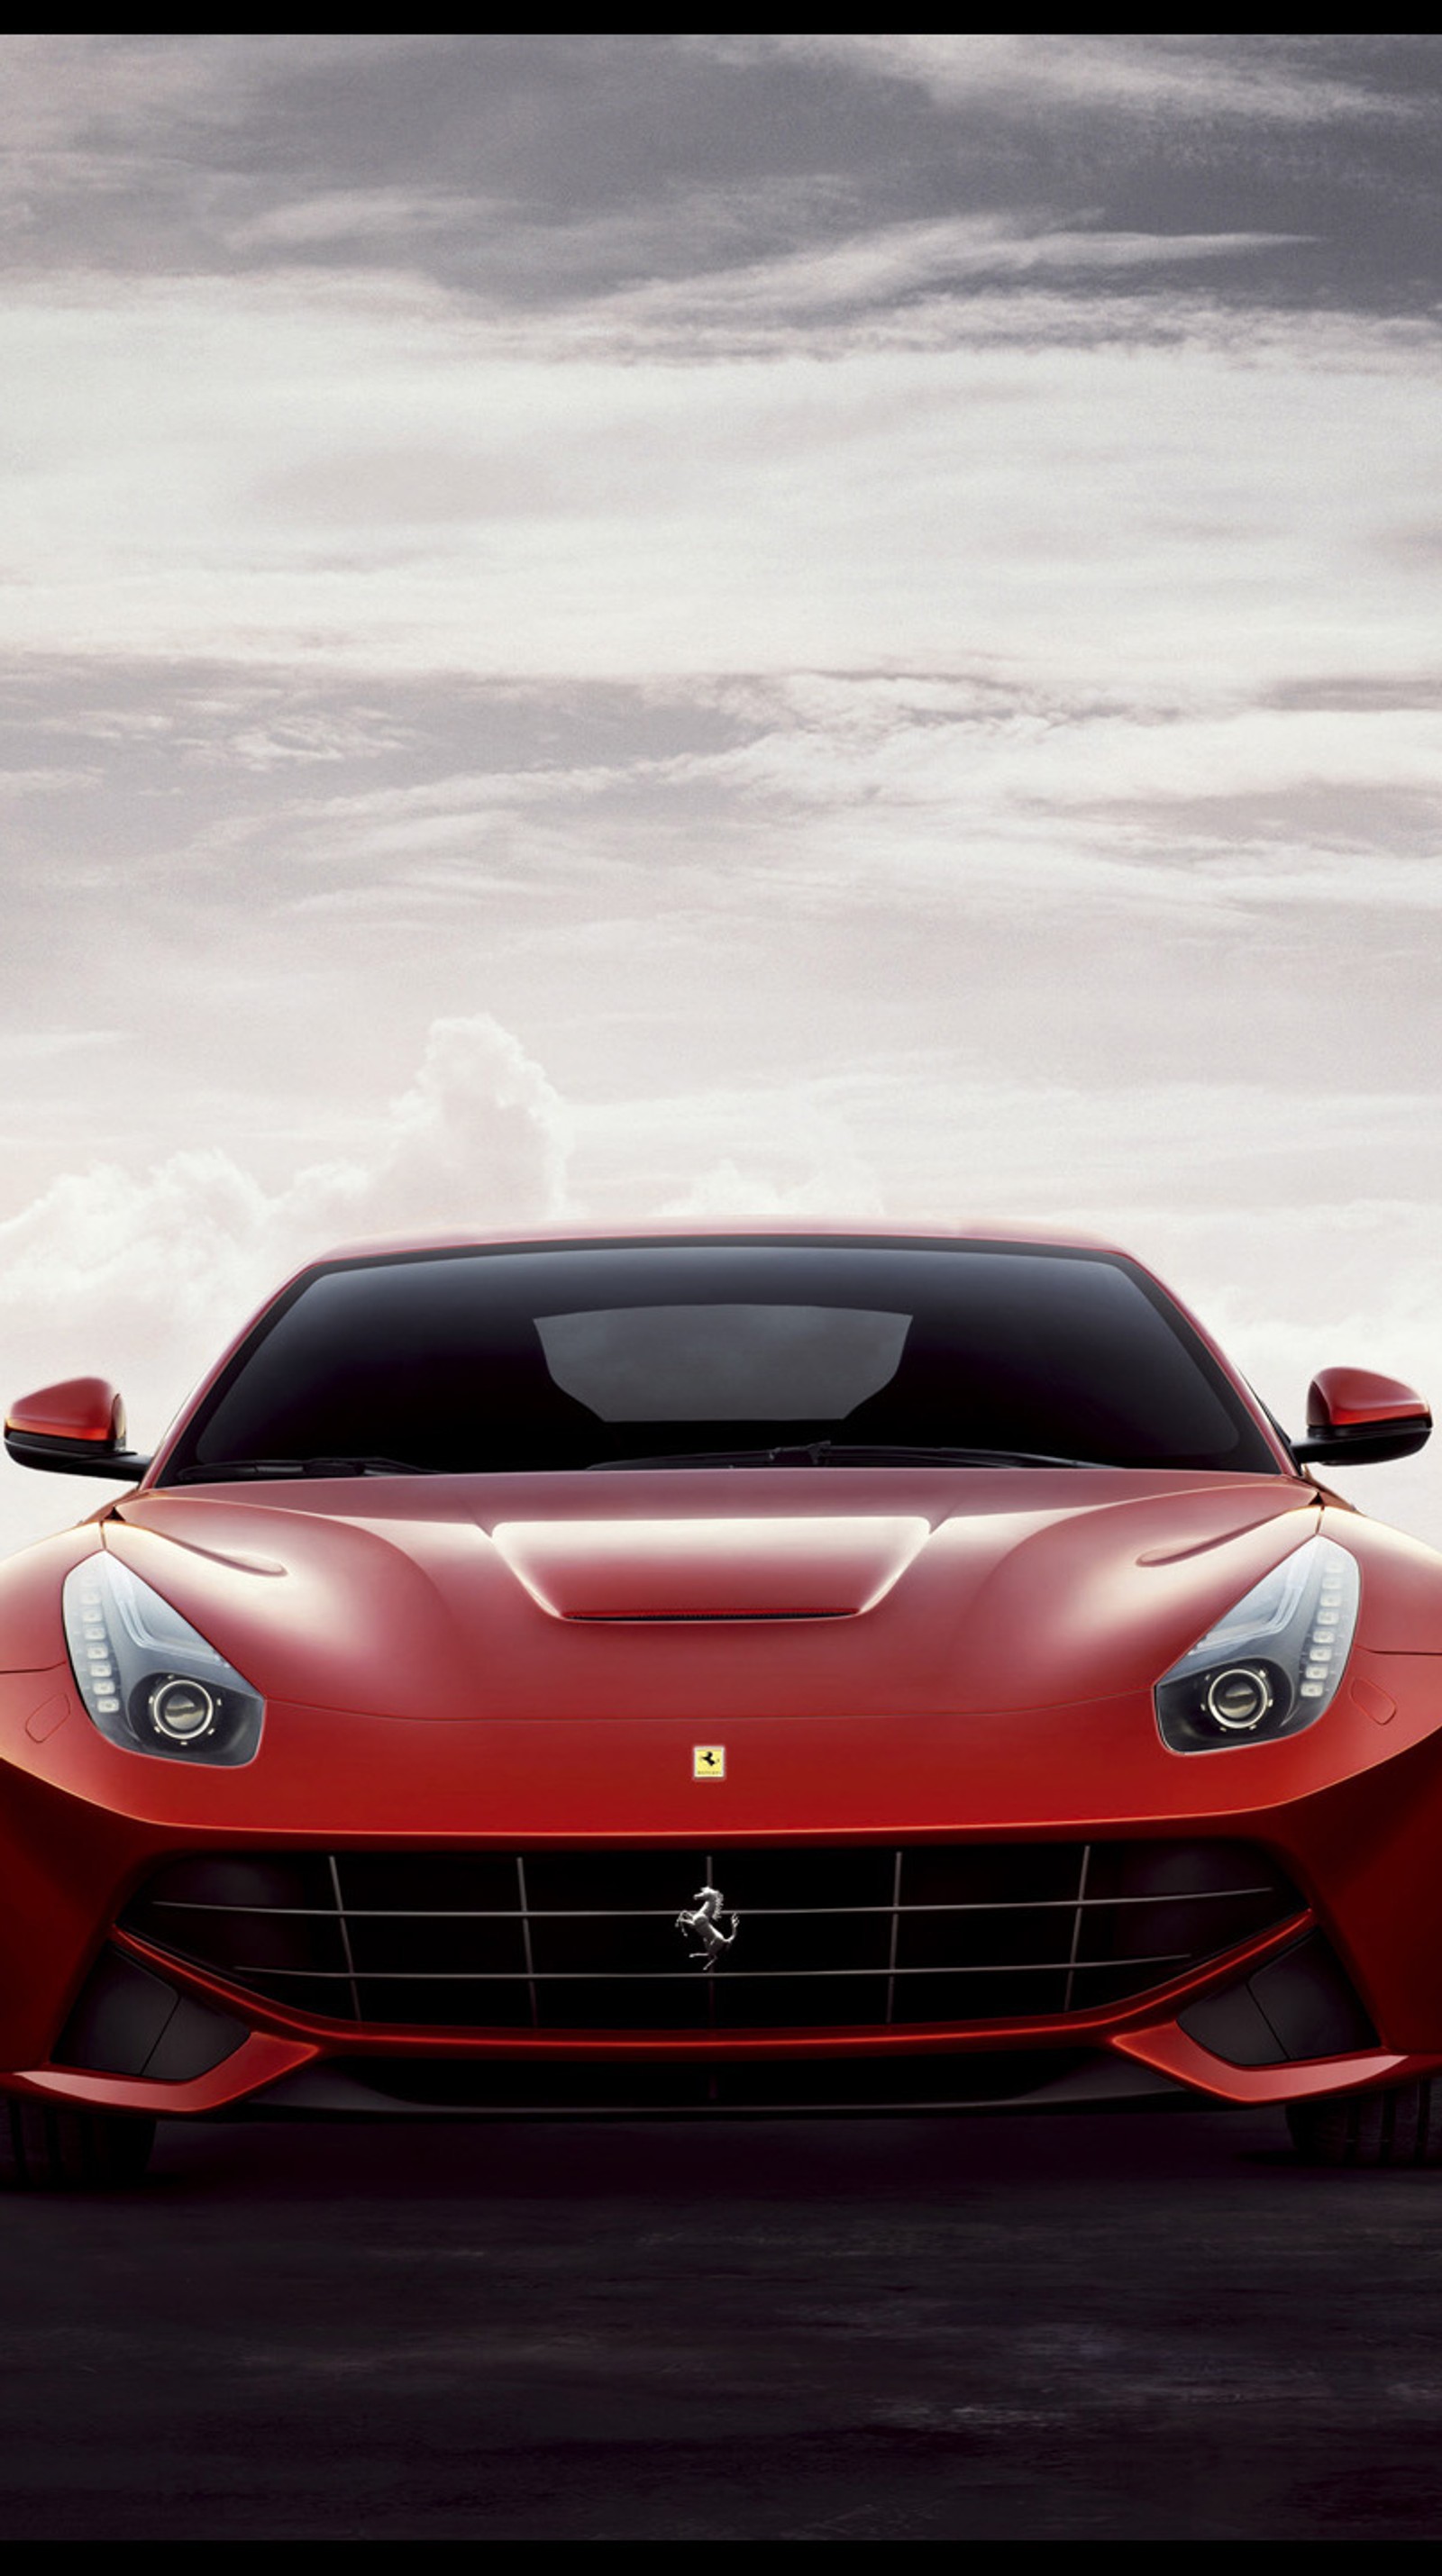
(751, 1672)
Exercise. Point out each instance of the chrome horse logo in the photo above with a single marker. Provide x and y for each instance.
(702, 1920)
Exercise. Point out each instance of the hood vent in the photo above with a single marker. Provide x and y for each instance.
(723, 1569)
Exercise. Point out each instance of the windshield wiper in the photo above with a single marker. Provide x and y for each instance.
(881, 1451)
(810, 1453)
(837, 1453)
(227, 1470)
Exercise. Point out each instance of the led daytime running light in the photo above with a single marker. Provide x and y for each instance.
(148, 1680)
(1273, 1664)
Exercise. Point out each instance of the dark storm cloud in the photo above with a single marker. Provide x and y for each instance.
(534, 171)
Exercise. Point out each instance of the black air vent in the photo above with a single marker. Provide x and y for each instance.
(589, 1940)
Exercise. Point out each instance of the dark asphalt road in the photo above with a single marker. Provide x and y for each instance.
(1103, 2327)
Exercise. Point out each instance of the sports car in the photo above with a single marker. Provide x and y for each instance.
(766, 1671)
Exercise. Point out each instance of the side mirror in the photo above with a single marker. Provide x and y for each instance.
(77, 1428)
(1354, 1414)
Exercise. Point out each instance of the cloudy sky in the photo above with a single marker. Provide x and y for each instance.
(612, 626)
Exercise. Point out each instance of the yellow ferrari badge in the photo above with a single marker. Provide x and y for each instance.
(708, 1761)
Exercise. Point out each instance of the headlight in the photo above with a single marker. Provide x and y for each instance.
(148, 1679)
(1273, 1664)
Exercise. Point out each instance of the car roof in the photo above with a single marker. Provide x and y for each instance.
(703, 1229)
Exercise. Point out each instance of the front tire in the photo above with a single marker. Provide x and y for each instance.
(1402, 2125)
(48, 2148)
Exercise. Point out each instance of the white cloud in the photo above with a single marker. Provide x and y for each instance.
(259, 472)
(1209, 76)
(145, 1276)
(353, 215)
(894, 785)
(24, 1049)
(874, 269)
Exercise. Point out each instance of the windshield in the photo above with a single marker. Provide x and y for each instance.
(571, 1356)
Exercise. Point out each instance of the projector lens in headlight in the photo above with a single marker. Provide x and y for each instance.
(1238, 1699)
(182, 1710)
(1272, 1665)
(149, 1680)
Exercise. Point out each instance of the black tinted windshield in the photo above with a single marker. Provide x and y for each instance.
(568, 1356)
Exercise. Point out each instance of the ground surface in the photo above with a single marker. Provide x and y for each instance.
(1101, 2327)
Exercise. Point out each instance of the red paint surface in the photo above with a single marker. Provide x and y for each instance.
(1338, 1399)
(80, 1408)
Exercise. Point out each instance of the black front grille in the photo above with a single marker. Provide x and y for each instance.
(589, 1940)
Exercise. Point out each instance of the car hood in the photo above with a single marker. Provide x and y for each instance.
(711, 1593)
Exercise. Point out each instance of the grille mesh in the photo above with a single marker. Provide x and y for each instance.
(826, 1938)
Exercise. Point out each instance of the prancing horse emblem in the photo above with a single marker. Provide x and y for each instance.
(702, 1920)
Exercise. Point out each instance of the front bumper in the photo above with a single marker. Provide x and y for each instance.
(1348, 1814)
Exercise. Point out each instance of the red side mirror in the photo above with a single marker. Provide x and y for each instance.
(77, 1427)
(81, 1408)
(1354, 1413)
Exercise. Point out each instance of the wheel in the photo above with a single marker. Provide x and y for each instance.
(45, 2148)
(1399, 2126)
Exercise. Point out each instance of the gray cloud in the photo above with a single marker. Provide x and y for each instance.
(527, 171)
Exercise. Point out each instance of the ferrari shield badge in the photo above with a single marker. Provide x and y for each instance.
(708, 1761)
(701, 1921)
